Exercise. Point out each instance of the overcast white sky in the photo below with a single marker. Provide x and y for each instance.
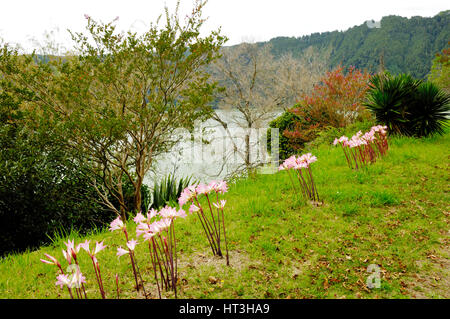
(259, 20)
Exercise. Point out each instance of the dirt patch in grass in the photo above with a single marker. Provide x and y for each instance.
(213, 267)
(433, 277)
(238, 260)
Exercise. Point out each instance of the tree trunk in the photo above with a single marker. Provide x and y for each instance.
(138, 197)
(247, 145)
(123, 211)
(247, 149)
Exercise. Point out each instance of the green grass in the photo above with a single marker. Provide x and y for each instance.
(394, 214)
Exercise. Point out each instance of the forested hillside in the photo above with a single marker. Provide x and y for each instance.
(405, 45)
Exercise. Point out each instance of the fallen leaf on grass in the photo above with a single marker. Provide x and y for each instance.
(325, 284)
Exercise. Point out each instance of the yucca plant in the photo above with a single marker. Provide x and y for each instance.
(430, 110)
(389, 98)
(168, 190)
(407, 106)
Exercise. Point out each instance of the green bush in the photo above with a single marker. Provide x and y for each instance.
(312, 137)
(288, 144)
(328, 134)
(408, 106)
(42, 190)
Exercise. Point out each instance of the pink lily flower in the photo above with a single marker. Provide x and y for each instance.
(77, 279)
(181, 213)
(142, 228)
(117, 224)
(309, 158)
(63, 280)
(52, 261)
(71, 248)
(121, 251)
(172, 213)
(193, 208)
(168, 212)
(220, 205)
(148, 235)
(99, 247)
(154, 227)
(151, 213)
(67, 255)
(202, 189)
(221, 187)
(139, 218)
(85, 245)
(132, 244)
(336, 141)
(187, 194)
(164, 223)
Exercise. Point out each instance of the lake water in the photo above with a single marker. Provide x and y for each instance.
(214, 153)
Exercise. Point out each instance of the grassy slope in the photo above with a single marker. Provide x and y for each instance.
(394, 214)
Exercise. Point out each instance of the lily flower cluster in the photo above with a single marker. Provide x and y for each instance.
(381, 141)
(213, 223)
(363, 149)
(158, 228)
(72, 278)
(302, 167)
(118, 224)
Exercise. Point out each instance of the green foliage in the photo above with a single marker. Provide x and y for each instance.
(42, 189)
(328, 134)
(430, 110)
(389, 98)
(408, 106)
(440, 70)
(285, 121)
(167, 191)
(119, 101)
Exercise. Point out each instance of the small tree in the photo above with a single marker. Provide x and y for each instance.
(120, 99)
(257, 86)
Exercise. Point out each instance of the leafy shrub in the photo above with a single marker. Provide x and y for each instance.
(408, 106)
(284, 123)
(42, 191)
(328, 134)
(335, 102)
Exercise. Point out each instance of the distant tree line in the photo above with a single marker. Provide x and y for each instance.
(405, 45)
